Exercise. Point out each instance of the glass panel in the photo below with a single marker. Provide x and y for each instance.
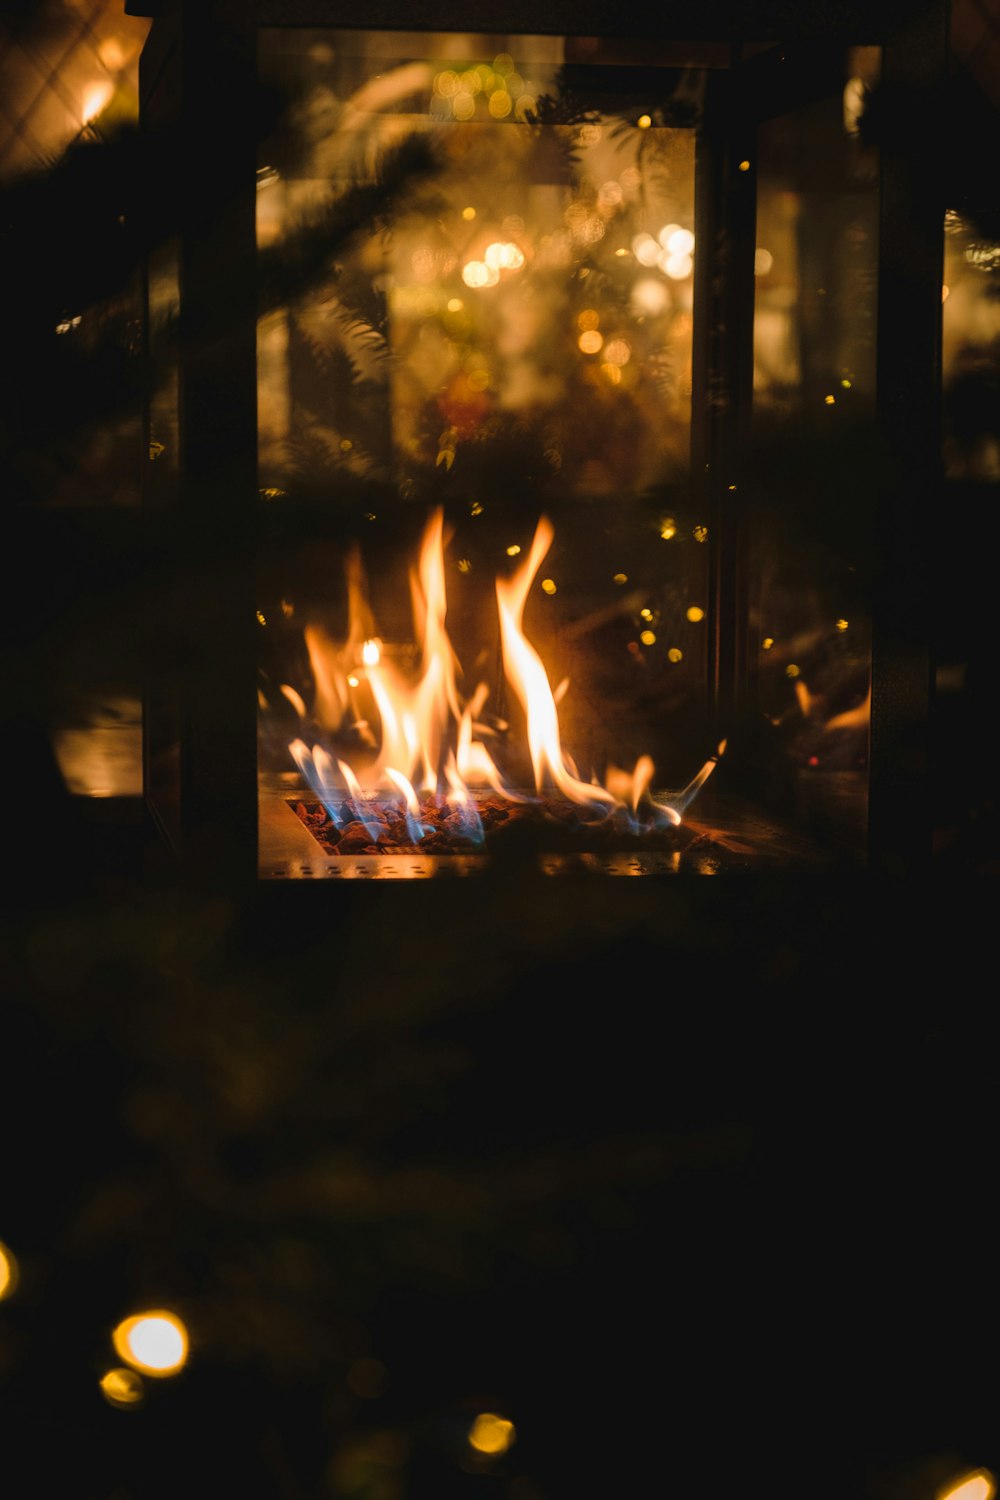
(476, 269)
(814, 468)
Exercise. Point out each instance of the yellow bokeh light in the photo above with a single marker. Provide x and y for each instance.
(979, 1485)
(830, 400)
(500, 104)
(261, 617)
(680, 242)
(548, 586)
(455, 304)
(503, 63)
(700, 533)
(841, 624)
(668, 529)
(695, 613)
(744, 165)
(846, 384)
(675, 654)
(620, 578)
(463, 106)
(618, 352)
(464, 565)
(590, 341)
(491, 1434)
(589, 318)
(353, 681)
(122, 1387)
(469, 212)
(447, 83)
(8, 1271)
(155, 1342)
(646, 614)
(612, 373)
(513, 549)
(767, 643)
(647, 637)
(644, 122)
(792, 670)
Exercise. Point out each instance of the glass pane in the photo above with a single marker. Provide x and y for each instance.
(476, 272)
(814, 470)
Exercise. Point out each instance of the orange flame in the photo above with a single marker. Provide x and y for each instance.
(432, 739)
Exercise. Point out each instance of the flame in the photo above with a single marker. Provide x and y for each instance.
(431, 736)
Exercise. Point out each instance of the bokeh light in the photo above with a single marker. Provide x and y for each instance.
(154, 1342)
(8, 1271)
(979, 1485)
(121, 1387)
(491, 1434)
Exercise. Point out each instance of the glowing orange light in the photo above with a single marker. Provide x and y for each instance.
(96, 98)
(468, 213)
(695, 613)
(979, 1485)
(8, 1271)
(589, 318)
(830, 400)
(548, 586)
(620, 578)
(767, 643)
(644, 122)
(591, 341)
(154, 1342)
(491, 1434)
(513, 549)
(792, 670)
(840, 624)
(744, 165)
(675, 654)
(700, 533)
(121, 1387)
(668, 529)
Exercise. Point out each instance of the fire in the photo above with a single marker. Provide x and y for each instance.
(431, 738)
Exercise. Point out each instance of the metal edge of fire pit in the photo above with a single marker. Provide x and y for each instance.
(731, 840)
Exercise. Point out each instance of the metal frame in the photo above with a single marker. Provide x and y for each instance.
(197, 78)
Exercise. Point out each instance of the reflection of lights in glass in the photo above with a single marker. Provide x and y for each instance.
(122, 1387)
(678, 241)
(792, 670)
(455, 304)
(612, 373)
(491, 1434)
(677, 267)
(695, 613)
(675, 654)
(513, 549)
(649, 297)
(500, 104)
(155, 1342)
(829, 400)
(644, 122)
(620, 578)
(590, 341)
(618, 352)
(589, 318)
(668, 528)
(463, 106)
(548, 586)
(767, 643)
(647, 637)
(846, 384)
(447, 83)
(646, 249)
(763, 260)
(840, 624)
(744, 165)
(700, 533)
(8, 1271)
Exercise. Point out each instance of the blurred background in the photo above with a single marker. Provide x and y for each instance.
(650, 1195)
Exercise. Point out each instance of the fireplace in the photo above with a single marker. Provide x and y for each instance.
(543, 416)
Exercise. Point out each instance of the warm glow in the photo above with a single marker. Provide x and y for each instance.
(668, 529)
(589, 318)
(980, 1485)
(644, 122)
(744, 165)
(841, 624)
(763, 260)
(830, 400)
(675, 654)
(8, 1272)
(425, 735)
(155, 1342)
(591, 341)
(122, 1387)
(767, 643)
(648, 637)
(491, 1434)
(679, 241)
(792, 670)
(469, 212)
(695, 613)
(96, 97)
(700, 533)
